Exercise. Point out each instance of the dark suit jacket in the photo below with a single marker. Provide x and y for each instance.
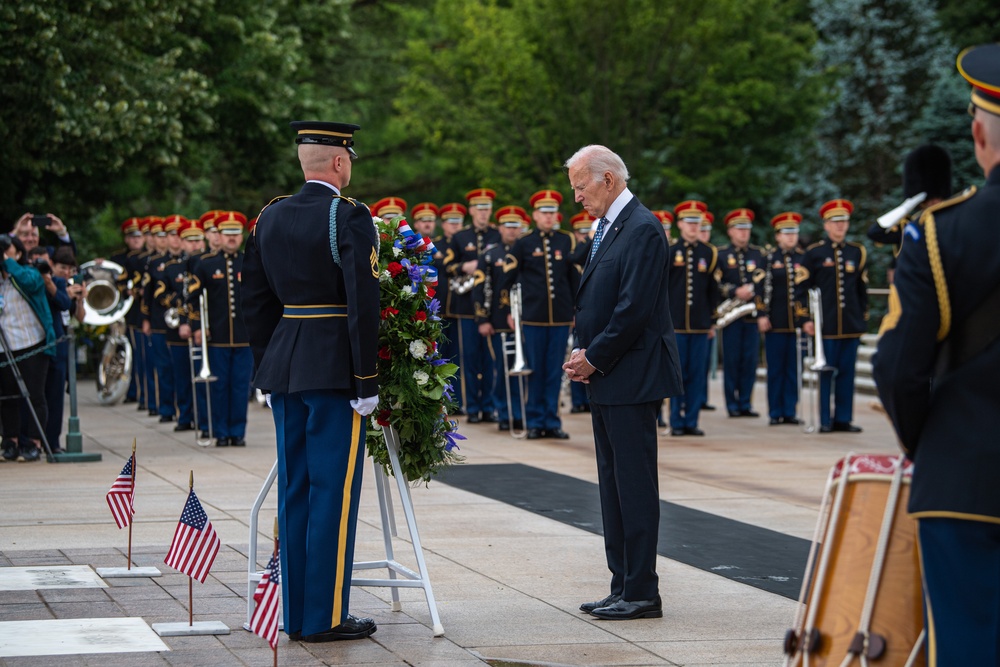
(623, 318)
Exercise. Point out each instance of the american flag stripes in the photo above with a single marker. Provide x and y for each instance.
(195, 542)
(264, 621)
(120, 497)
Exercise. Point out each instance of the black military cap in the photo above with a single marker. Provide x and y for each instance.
(927, 169)
(327, 134)
(980, 65)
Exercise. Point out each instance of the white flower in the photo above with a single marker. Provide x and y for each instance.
(421, 377)
(418, 349)
(396, 252)
(407, 293)
(375, 425)
(384, 277)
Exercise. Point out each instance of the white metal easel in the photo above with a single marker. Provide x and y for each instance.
(407, 578)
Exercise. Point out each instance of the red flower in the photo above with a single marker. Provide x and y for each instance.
(394, 269)
(431, 346)
(430, 292)
(388, 312)
(384, 353)
(420, 316)
(383, 418)
(383, 236)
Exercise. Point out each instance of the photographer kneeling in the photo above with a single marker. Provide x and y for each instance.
(26, 324)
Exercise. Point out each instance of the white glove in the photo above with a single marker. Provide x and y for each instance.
(365, 406)
(267, 399)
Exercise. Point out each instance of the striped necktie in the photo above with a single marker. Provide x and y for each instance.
(598, 235)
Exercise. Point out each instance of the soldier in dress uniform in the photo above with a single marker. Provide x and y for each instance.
(311, 307)
(666, 219)
(132, 233)
(712, 353)
(694, 294)
(207, 223)
(388, 208)
(541, 261)
(491, 299)
(218, 274)
(936, 369)
(582, 224)
(423, 219)
(461, 261)
(839, 268)
(155, 306)
(175, 281)
(135, 267)
(194, 239)
(452, 217)
(740, 272)
(776, 320)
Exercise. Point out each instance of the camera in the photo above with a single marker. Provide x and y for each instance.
(40, 220)
(42, 266)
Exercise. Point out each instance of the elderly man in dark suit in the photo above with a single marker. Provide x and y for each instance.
(624, 349)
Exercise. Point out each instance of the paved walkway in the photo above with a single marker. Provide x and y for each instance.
(507, 581)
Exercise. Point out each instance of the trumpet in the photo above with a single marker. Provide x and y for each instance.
(804, 347)
(815, 358)
(512, 343)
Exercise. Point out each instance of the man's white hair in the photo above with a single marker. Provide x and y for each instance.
(598, 160)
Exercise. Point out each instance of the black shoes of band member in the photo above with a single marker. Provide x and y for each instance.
(184, 427)
(204, 435)
(623, 610)
(790, 420)
(693, 430)
(775, 421)
(591, 606)
(153, 412)
(9, 450)
(164, 419)
(488, 418)
(222, 442)
(678, 432)
(237, 442)
(577, 409)
(295, 636)
(749, 413)
(128, 400)
(503, 426)
(846, 427)
(825, 428)
(556, 433)
(710, 408)
(474, 418)
(29, 453)
(352, 628)
(534, 433)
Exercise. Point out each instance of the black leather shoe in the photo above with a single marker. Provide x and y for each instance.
(575, 410)
(488, 418)
(710, 408)
(518, 424)
(534, 433)
(474, 418)
(459, 412)
(295, 636)
(183, 427)
(352, 628)
(140, 408)
(503, 426)
(237, 442)
(846, 427)
(775, 421)
(556, 433)
(693, 430)
(10, 450)
(164, 419)
(128, 400)
(222, 442)
(826, 428)
(790, 420)
(153, 412)
(749, 413)
(591, 606)
(678, 432)
(734, 414)
(204, 435)
(622, 610)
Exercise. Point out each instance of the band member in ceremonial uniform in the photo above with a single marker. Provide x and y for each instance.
(311, 308)
(135, 267)
(582, 224)
(541, 261)
(839, 268)
(155, 303)
(776, 320)
(712, 353)
(132, 233)
(175, 277)
(193, 237)
(936, 369)
(491, 299)
(218, 273)
(666, 219)
(452, 216)
(207, 223)
(461, 261)
(388, 208)
(423, 219)
(740, 272)
(694, 294)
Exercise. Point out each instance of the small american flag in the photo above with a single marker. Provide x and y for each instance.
(195, 542)
(264, 621)
(122, 494)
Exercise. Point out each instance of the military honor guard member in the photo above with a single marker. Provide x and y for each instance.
(776, 320)
(135, 267)
(936, 369)
(541, 261)
(388, 208)
(666, 219)
(694, 295)
(132, 234)
(452, 216)
(705, 236)
(194, 239)
(155, 247)
(175, 274)
(158, 298)
(740, 272)
(311, 307)
(423, 219)
(839, 268)
(461, 261)
(491, 299)
(218, 274)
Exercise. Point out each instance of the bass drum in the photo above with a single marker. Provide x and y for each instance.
(108, 299)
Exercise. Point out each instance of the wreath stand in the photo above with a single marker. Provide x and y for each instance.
(407, 577)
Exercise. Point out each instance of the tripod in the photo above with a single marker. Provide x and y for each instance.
(23, 388)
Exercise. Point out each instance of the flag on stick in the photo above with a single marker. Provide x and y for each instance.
(122, 494)
(195, 543)
(264, 621)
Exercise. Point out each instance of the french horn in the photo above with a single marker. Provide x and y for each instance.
(106, 305)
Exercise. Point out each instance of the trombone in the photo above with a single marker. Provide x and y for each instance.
(204, 376)
(512, 342)
(815, 357)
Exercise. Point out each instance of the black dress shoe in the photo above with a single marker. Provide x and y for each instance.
(237, 442)
(295, 636)
(826, 428)
(591, 606)
(775, 421)
(577, 409)
(518, 424)
(474, 418)
(352, 628)
(622, 610)
(693, 430)
(846, 427)
(734, 414)
(790, 420)
(459, 411)
(183, 427)
(748, 413)
(140, 408)
(164, 419)
(503, 426)
(678, 432)
(488, 418)
(556, 433)
(708, 407)
(204, 435)
(534, 433)
(222, 442)
(128, 400)
(153, 412)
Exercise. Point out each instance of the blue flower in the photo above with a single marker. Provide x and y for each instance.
(450, 438)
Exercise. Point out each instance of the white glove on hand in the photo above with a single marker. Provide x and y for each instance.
(365, 406)
(267, 399)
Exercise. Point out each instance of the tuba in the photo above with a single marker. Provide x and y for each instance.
(734, 309)
(106, 305)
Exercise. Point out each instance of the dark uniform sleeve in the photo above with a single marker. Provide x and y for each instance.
(904, 361)
(479, 305)
(804, 279)
(357, 243)
(261, 308)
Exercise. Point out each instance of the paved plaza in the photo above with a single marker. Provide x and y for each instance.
(507, 580)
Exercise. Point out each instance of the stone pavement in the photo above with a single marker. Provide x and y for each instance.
(507, 581)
